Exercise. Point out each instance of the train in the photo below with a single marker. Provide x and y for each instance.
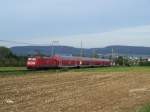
(58, 61)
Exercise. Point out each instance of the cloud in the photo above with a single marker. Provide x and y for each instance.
(134, 36)
(95, 22)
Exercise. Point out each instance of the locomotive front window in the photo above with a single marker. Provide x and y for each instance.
(31, 59)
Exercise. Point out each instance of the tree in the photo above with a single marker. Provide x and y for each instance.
(119, 61)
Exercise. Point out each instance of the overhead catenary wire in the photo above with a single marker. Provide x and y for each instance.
(14, 43)
(23, 43)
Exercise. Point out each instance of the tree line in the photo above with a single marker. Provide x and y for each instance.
(7, 58)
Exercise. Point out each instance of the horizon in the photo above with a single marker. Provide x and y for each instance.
(96, 23)
(78, 47)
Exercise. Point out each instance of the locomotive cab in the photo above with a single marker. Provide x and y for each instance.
(32, 63)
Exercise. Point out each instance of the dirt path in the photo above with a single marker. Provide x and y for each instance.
(74, 92)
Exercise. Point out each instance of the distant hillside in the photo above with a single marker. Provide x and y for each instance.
(46, 50)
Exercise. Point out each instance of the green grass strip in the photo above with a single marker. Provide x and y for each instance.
(145, 108)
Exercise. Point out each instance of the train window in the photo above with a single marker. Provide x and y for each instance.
(31, 59)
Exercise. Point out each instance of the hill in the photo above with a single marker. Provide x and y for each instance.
(46, 50)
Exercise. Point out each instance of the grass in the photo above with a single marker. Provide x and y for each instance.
(2, 69)
(145, 108)
(17, 71)
(114, 69)
(24, 71)
(13, 70)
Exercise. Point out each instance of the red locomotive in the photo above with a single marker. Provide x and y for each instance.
(57, 61)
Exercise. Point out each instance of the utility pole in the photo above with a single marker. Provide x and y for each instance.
(53, 47)
(112, 56)
(81, 50)
(123, 60)
(94, 53)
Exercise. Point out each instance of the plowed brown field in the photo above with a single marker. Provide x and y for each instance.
(74, 92)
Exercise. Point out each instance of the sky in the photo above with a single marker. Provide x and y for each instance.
(97, 23)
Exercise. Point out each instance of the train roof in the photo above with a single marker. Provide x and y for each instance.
(72, 57)
(82, 58)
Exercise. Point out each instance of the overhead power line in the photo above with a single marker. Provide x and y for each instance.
(24, 43)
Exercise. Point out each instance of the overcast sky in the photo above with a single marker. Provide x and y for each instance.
(97, 23)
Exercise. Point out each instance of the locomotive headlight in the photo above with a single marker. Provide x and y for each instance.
(80, 62)
(31, 63)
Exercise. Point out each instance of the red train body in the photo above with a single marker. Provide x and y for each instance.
(65, 61)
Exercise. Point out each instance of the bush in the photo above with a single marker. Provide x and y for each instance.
(144, 63)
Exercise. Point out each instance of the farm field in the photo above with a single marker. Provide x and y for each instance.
(113, 89)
